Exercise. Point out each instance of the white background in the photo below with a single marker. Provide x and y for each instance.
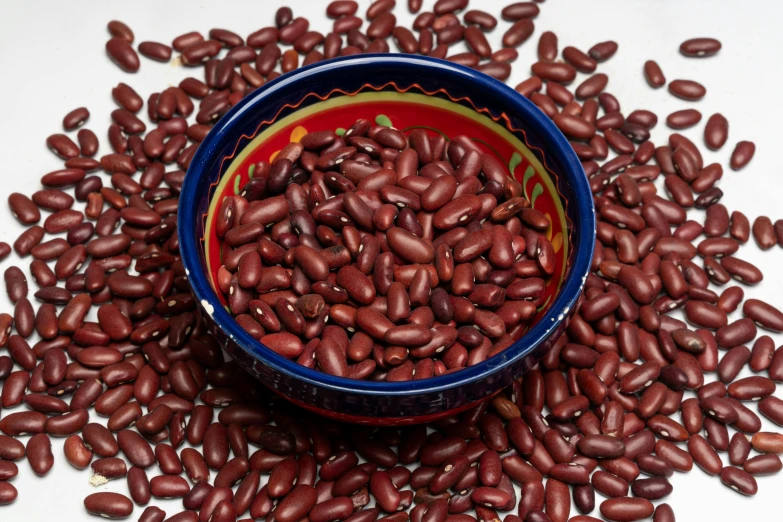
(52, 60)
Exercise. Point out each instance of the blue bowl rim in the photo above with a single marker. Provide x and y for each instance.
(564, 302)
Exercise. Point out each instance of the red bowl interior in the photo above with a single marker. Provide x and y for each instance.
(404, 111)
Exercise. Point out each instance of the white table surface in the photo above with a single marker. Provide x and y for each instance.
(52, 60)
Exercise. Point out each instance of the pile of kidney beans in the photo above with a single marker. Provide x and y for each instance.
(605, 411)
(383, 251)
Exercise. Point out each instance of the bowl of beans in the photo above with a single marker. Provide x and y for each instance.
(386, 239)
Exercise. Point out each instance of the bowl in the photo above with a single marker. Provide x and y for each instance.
(400, 91)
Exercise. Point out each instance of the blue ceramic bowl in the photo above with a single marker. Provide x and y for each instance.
(402, 91)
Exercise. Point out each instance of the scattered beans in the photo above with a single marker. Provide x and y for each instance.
(684, 119)
(742, 154)
(653, 74)
(155, 51)
(122, 54)
(716, 132)
(76, 118)
(626, 361)
(108, 505)
(700, 47)
(687, 89)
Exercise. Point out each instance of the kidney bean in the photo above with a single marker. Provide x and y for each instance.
(8, 493)
(19, 423)
(742, 154)
(194, 464)
(298, 502)
(687, 89)
(76, 452)
(700, 47)
(653, 74)
(155, 51)
(763, 314)
(76, 118)
(601, 446)
(751, 388)
(772, 408)
(135, 448)
(739, 449)
(139, 486)
(739, 480)
(448, 475)
(518, 33)
(383, 490)
(23, 208)
(716, 131)
(169, 486)
(651, 488)
(762, 464)
(683, 119)
(626, 509)
(766, 442)
(39, 453)
(108, 504)
(704, 455)
(119, 29)
(109, 468)
(122, 54)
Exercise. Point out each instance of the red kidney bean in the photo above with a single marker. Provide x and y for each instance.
(742, 154)
(704, 455)
(108, 504)
(8, 493)
(716, 131)
(109, 468)
(194, 464)
(76, 452)
(654, 466)
(751, 388)
(772, 408)
(651, 488)
(384, 491)
(169, 486)
(39, 453)
(739, 449)
(23, 208)
(687, 89)
(334, 509)
(626, 509)
(518, 33)
(601, 446)
(119, 29)
(122, 54)
(296, 504)
(138, 485)
(763, 314)
(76, 118)
(683, 119)
(8, 470)
(18, 423)
(738, 480)
(653, 74)
(763, 464)
(766, 442)
(135, 448)
(700, 47)
(155, 51)
(602, 51)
